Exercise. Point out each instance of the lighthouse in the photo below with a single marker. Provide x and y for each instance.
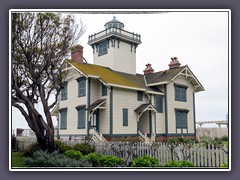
(115, 48)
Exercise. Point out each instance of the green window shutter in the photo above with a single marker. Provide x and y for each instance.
(125, 117)
(139, 95)
(159, 103)
(63, 123)
(104, 90)
(64, 92)
(81, 87)
(81, 118)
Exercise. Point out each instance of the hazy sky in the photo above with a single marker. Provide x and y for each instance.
(198, 39)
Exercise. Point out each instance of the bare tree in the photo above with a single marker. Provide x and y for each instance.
(39, 43)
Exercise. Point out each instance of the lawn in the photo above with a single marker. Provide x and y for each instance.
(18, 160)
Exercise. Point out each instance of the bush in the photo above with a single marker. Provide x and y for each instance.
(61, 147)
(94, 159)
(84, 148)
(223, 165)
(44, 159)
(183, 163)
(74, 154)
(29, 151)
(145, 161)
(110, 161)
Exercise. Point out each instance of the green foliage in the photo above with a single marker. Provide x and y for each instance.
(111, 161)
(183, 163)
(223, 165)
(18, 160)
(29, 151)
(94, 159)
(61, 147)
(224, 138)
(145, 161)
(181, 140)
(84, 148)
(74, 154)
(45, 159)
(99, 160)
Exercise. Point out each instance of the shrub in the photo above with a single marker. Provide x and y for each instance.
(145, 161)
(44, 159)
(223, 165)
(74, 154)
(183, 163)
(29, 151)
(94, 159)
(61, 147)
(110, 161)
(84, 148)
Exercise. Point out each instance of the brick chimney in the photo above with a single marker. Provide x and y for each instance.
(77, 53)
(148, 69)
(174, 63)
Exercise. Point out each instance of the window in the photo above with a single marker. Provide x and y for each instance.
(139, 95)
(159, 103)
(125, 117)
(180, 93)
(102, 48)
(104, 90)
(81, 117)
(63, 119)
(181, 118)
(64, 91)
(81, 87)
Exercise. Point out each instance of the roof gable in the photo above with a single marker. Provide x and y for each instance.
(164, 77)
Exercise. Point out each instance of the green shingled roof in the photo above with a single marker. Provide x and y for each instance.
(108, 76)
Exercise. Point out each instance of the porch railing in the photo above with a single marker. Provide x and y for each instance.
(97, 135)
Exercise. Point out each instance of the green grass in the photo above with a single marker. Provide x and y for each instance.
(18, 160)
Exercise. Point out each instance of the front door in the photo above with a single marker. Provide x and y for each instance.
(95, 121)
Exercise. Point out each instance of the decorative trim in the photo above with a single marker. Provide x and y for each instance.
(194, 113)
(119, 135)
(88, 104)
(180, 85)
(111, 111)
(174, 134)
(166, 110)
(150, 122)
(80, 106)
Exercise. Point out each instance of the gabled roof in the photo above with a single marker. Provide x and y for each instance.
(145, 107)
(96, 104)
(114, 78)
(165, 77)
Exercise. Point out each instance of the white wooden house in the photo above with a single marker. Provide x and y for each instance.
(108, 99)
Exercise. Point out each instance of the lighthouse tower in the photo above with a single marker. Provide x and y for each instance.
(115, 47)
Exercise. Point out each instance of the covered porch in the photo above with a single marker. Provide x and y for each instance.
(93, 119)
(146, 121)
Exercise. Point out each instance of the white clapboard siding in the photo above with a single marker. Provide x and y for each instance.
(127, 99)
(172, 104)
(70, 103)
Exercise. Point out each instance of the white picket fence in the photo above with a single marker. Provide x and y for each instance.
(199, 156)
